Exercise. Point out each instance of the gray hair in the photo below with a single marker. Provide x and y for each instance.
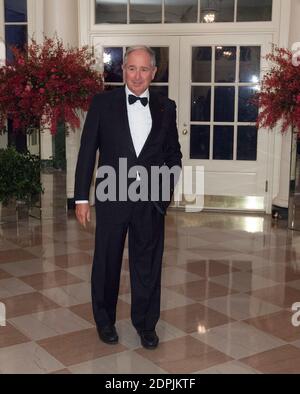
(145, 48)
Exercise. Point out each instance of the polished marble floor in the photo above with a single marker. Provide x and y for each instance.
(229, 282)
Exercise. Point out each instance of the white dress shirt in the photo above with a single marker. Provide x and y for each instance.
(140, 121)
(140, 124)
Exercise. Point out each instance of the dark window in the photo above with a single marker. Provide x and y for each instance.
(223, 142)
(200, 142)
(15, 10)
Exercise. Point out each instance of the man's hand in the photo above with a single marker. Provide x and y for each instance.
(83, 214)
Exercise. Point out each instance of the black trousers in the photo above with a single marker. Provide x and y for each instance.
(145, 227)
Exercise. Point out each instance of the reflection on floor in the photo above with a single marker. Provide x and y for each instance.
(229, 283)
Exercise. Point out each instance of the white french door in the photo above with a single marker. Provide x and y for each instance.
(211, 78)
(218, 76)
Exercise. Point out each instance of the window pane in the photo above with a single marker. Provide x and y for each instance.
(217, 11)
(224, 104)
(225, 64)
(247, 111)
(162, 90)
(145, 11)
(200, 142)
(112, 59)
(15, 10)
(254, 10)
(181, 12)
(162, 61)
(223, 142)
(201, 103)
(250, 64)
(14, 36)
(247, 143)
(111, 11)
(201, 60)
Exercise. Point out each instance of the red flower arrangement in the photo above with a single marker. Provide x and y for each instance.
(47, 84)
(279, 98)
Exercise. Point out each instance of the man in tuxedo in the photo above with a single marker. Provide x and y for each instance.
(133, 124)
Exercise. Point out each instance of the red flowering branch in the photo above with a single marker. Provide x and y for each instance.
(47, 84)
(279, 98)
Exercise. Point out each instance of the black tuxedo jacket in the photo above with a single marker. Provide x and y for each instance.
(107, 129)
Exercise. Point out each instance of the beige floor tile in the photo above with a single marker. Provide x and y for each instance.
(245, 262)
(241, 306)
(194, 318)
(201, 290)
(243, 281)
(277, 324)
(174, 276)
(279, 273)
(50, 323)
(28, 268)
(285, 359)
(126, 362)
(73, 237)
(28, 358)
(84, 244)
(11, 336)
(7, 245)
(169, 299)
(279, 255)
(50, 280)
(281, 295)
(238, 340)
(31, 239)
(296, 343)
(12, 287)
(85, 311)
(84, 272)
(231, 367)
(71, 260)
(64, 371)
(184, 355)
(27, 304)
(54, 249)
(70, 295)
(78, 347)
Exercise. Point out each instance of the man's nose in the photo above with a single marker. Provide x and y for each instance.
(138, 74)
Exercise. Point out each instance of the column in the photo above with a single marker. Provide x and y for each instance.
(281, 201)
(61, 18)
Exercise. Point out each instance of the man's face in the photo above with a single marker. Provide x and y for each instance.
(138, 71)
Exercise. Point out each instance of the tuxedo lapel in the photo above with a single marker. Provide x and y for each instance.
(123, 120)
(156, 110)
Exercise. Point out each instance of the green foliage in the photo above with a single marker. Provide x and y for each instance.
(19, 176)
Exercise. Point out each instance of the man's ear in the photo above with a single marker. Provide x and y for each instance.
(154, 73)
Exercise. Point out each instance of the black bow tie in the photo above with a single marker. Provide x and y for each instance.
(132, 99)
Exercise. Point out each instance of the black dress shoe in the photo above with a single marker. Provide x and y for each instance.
(149, 339)
(108, 334)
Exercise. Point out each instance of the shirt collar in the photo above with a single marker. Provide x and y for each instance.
(145, 94)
